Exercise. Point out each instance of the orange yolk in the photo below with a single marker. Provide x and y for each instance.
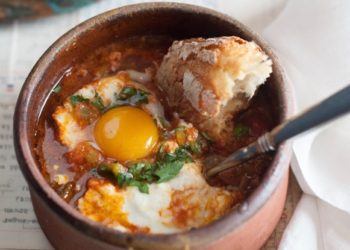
(126, 133)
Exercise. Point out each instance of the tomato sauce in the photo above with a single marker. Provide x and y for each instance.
(140, 54)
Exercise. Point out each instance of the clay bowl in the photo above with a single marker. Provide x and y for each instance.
(245, 228)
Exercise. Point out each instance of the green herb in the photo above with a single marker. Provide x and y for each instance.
(143, 187)
(57, 89)
(241, 130)
(127, 96)
(183, 154)
(166, 167)
(142, 171)
(168, 170)
(127, 92)
(195, 147)
(75, 99)
(131, 96)
(167, 157)
(141, 174)
(140, 97)
(98, 102)
(133, 177)
(127, 179)
(109, 170)
(123, 179)
(136, 169)
(169, 164)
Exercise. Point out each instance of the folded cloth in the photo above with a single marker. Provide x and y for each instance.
(316, 225)
(312, 39)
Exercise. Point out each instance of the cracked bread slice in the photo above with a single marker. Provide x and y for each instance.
(209, 81)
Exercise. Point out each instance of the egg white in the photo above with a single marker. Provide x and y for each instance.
(155, 211)
(71, 134)
(128, 209)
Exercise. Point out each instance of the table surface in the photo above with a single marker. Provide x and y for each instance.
(293, 197)
(21, 44)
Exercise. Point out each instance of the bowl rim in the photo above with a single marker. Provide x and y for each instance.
(215, 230)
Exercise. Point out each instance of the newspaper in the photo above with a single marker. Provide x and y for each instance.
(21, 44)
(19, 228)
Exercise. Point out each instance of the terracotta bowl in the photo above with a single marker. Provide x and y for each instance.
(245, 228)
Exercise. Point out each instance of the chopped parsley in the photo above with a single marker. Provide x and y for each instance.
(195, 147)
(75, 99)
(241, 130)
(127, 96)
(98, 102)
(141, 174)
(168, 170)
(143, 187)
(142, 171)
(131, 96)
(127, 92)
(57, 89)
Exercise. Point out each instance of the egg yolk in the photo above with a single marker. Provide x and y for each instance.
(126, 133)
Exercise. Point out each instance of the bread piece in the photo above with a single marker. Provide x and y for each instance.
(208, 81)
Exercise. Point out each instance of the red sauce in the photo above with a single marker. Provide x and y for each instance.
(141, 54)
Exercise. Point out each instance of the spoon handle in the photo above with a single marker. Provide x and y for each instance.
(329, 109)
(336, 105)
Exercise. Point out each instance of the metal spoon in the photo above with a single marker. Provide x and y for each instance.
(334, 106)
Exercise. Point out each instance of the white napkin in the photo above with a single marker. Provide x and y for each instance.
(313, 40)
(316, 225)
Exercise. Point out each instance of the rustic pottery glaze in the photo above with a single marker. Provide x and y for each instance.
(248, 227)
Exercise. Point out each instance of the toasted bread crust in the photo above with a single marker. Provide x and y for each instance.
(208, 81)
